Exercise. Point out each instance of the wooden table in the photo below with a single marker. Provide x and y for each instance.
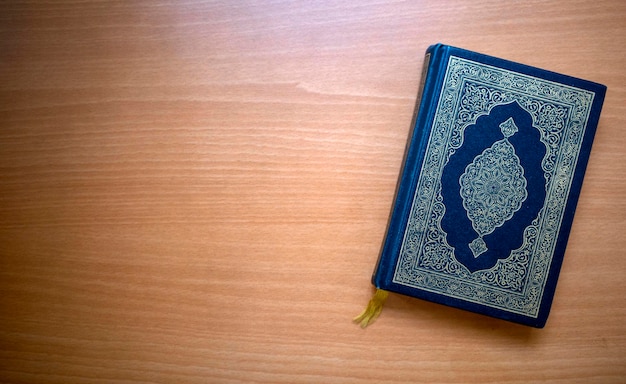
(196, 192)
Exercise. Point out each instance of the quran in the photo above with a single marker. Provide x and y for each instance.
(490, 179)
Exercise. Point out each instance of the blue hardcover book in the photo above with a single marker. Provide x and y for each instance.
(490, 180)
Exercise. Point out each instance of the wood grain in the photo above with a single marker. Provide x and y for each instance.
(196, 192)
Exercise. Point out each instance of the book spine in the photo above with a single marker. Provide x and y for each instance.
(422, 115)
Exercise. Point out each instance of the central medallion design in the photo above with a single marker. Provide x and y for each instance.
(493, 187)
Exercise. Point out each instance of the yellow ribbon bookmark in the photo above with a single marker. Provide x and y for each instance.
(374, 307)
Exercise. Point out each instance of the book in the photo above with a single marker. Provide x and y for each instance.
(490, 180)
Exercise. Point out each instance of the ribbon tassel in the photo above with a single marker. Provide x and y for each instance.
(374, 307)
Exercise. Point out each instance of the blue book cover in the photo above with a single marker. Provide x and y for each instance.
(490, 180)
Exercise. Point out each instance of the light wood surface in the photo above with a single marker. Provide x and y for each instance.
(196, 192)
